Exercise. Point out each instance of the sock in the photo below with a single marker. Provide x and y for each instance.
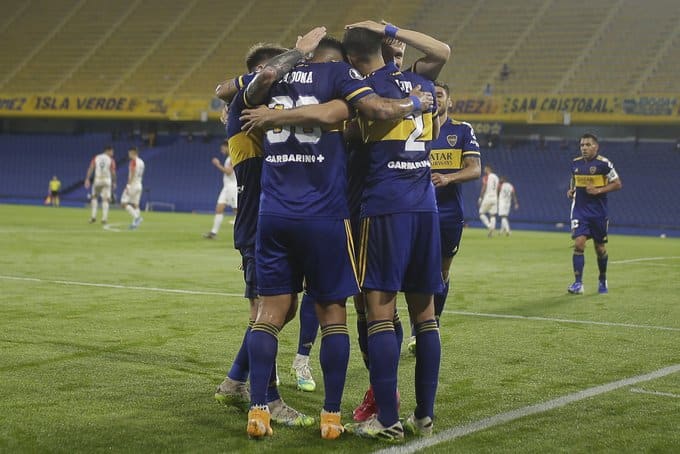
(362, 330)
(492, 223)
(334, 356)
(384, 359)
(272, 387)
(428, 357)
(263, 342)
(217, 223)
(309, 325)
(138, 212)
(602, 266)
(130, 210)
(105, 210)
(484, 219)
(240, 366)
(398, 330)
(579, 262)
(505, 225)
(439, 301)
(94, 204)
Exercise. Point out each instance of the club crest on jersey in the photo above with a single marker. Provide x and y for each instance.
(592, 170)
(452, 139)
(354, 74)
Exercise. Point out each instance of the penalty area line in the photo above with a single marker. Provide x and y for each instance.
(654, 393)
(643, 259)
(502, 418)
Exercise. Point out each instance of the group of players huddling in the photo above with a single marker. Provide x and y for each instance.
(348, 177)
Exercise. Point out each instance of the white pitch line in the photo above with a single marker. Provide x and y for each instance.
(656, 393)
(118, 286)
(643, 259)
(112, 227)
(502, 418)
(561, 320)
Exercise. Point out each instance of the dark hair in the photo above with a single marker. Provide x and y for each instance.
(332, 44)
(225, 143)
(439, 83)
(133, 148)
(361, 43)
(260, 53)
(590, 135)
(108, 147)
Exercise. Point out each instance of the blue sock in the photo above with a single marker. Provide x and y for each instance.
(602, 266)
(263, 342)
(384, 360)
(362, 330)
(439, 301)
(428, 357)
(334, 356)
(579, 262)
(309, 325)
(398, 330)
(240, 366)
(272, 388)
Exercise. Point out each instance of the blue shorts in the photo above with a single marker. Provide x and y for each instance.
(317, 250)
(248, 267)
(451, 229)
(595, 228)
(401, 252)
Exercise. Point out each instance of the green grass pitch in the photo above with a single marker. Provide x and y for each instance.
(131, 369)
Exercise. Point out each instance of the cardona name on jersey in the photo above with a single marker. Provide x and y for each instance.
(301, 158)
(408, 165)
(301, 77)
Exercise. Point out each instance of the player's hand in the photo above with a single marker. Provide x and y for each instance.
(369, 25)
(516, 206)
(425, 98)
(215, 161)
(308, 43)
(259, 117)
(592, 190)
(87, 184)
(224, 115)
(570, 193)
(440, 180)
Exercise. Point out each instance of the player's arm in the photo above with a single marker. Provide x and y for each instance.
(572, 188)
(225, 169)
(374, 107)
(472, 169)
(114, 182)
(515, 200)
(132, 172)
(226, 90)
(309, 116)
(437, 53)
(278, 66)
(612, 186)
(436, 126)
(90, 169)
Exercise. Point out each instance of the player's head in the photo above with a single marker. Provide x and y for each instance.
(393, 50)
(133, 152)
(329, 49)
(589, 145)
(502, 180)
(260, 53)
(443, 97)
(362, 45)
(224, 148)
(488, 169)
(108, 150)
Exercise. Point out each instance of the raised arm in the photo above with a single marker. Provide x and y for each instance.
(436, 52)
(374, 107)
(311, 116)
(227, 170)
(226, 90)
(278, 66)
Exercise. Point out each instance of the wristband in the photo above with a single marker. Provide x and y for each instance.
(416, 103)
(391, 31)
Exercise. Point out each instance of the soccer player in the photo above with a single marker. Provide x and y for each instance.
(104, 169)
(507, 197)
(133, 190)
(54, 188)
(455, 159)
(399, 244)
(303, 222)
(245, 151)
(593, 176)
(228, 193)
(488, 200)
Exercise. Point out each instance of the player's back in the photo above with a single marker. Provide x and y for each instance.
(304, 171)
(491, 191)
(399, 177)
(505, 192)
(138, 166)
(103, 167)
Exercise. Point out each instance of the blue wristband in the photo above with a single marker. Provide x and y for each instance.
(416, 103)
(391, 31)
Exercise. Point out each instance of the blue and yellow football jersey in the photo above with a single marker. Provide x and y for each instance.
(305, 169)
(597, 172)
(245, 151)
(399, 178)
(456, 142)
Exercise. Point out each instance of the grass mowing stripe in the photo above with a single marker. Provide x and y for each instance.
(561, 320)
(461, 431)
